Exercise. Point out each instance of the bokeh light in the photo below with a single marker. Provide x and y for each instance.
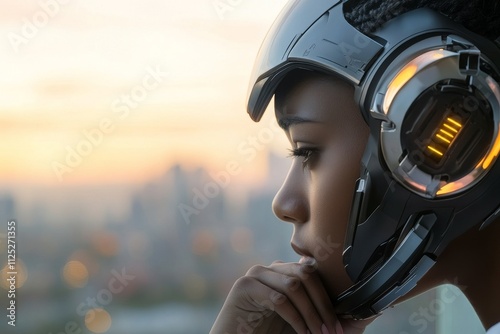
(21, 275)
(75, 274)
(98, 320)
(105, 244)
(85, 256)
(204, 243)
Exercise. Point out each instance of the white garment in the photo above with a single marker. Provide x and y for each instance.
(494, 330)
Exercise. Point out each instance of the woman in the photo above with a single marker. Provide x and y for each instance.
(338, 97)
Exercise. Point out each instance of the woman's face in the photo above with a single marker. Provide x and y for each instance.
(327, 135)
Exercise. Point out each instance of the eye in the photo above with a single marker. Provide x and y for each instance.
(307, 153)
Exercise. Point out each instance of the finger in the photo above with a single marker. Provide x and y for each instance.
(269, 300)
(292, 288)
(315, 289)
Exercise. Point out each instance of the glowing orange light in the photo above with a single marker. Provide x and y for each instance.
(435, 150)
(404, 75)
(447, 133)
(446, 137)
(409, 71)
(493, 153)
(450, 128)
(443, 138)
(450, 188)
(451, 120)
(398, 82)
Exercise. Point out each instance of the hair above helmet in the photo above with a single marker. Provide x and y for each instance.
(428, 88)
(480, 16)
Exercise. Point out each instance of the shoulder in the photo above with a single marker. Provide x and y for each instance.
(494, 330)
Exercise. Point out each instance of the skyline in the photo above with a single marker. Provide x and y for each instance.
(96, 203)
(163, 82)
(63, 263)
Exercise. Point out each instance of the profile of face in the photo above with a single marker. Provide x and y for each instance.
(328, 135)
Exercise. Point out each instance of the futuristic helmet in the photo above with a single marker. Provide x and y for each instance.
(429, 90)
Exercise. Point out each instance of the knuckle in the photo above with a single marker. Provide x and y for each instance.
(243, 283)
(255, 270)
(278, 298)
(267, 305)
(291, 283)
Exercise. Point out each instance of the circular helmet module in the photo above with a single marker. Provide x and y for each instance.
(438, 131)
(448, 130)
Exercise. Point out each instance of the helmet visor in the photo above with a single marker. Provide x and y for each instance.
(271, 63)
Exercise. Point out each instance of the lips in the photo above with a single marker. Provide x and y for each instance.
(306, 257)
(301, 251)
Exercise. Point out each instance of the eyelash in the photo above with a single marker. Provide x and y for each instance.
(306, 153)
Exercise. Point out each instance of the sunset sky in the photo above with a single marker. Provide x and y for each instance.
(151, 83)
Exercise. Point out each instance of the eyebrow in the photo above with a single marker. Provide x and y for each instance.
(288, 121)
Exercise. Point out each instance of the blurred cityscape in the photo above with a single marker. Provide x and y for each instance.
(167, 266)
(186, 238)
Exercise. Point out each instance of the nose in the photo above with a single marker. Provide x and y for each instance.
(291, 203)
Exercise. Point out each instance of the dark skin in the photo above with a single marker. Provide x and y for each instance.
(328, 136)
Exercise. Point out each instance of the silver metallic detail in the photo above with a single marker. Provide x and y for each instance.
(404, 87)
(377, 110)
(468, 61)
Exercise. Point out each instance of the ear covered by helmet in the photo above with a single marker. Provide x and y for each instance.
(429, 90)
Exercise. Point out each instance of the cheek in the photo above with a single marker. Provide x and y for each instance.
(332, 187)
(335, 178)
